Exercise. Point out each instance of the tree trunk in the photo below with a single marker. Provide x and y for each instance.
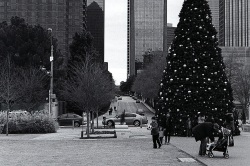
(92, 121)
(87, 129)
(97, 115)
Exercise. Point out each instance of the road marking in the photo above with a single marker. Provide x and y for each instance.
(187, 160)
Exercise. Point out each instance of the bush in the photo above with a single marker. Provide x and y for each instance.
(32, 123)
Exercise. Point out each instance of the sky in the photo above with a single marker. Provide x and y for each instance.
(116, 34)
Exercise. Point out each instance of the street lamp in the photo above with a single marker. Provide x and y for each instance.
(51, 72)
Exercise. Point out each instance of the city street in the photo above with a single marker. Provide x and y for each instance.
(129, 105)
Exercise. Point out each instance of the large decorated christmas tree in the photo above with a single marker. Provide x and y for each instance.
(194, 79)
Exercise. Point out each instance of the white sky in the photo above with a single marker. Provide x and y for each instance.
(116, 34)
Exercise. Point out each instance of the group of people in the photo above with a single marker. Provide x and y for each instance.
(206, 129)
(203, 129)
(159, 132)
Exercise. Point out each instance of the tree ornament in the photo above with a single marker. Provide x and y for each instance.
(189, 91)
(184, 65)
(174, 55)
(187, 79)
(209, 79)
(205, 67)
(175, 71)
(198, 41)
(171, 79)
(195, 60)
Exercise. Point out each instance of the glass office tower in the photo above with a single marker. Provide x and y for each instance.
(65, 17)
(95, 24)
(147, 23)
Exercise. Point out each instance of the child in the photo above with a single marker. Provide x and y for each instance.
(161, 133)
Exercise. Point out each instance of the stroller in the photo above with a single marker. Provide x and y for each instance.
(221, 144)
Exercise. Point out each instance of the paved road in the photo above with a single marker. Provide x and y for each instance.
(129, 105)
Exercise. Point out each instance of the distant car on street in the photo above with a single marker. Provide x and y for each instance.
(130, 119)
(119, 98)
(140, 111)
(137, 101)
(67, 119)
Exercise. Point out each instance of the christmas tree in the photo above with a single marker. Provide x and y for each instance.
(194, 79)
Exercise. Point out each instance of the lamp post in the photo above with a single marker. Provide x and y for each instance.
(51, 72)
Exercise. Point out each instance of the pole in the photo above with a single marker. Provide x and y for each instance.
(51, 73)
(49, 103)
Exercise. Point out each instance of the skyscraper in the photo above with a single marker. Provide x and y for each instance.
(147, 24)
(65, 17)
(95, 24)
(231, 19)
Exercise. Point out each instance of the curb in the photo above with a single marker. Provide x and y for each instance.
(189, 155)
(148, 107)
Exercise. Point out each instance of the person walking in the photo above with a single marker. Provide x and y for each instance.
(110, 110)
(203, 130)
(155, 133)
(123, 117)
(161, 133)
(168, 128)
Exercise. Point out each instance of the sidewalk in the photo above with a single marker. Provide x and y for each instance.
(65, 148)
(238, 154)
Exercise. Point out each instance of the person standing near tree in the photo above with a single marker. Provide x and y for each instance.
(189, 127)
(168, 128)
(155, 133)
(161, 133)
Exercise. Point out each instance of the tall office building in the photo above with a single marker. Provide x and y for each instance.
(237, 18)
(95, 24)
(231, 19)
(65, 17)
(147, 30)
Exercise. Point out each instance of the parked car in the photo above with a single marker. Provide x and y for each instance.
(67, 119)
(137, 101)
(130, 119)
(119, 98)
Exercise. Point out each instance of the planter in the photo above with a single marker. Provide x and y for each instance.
(246, 127)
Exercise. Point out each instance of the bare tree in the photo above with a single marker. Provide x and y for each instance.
(34, 89)
(233, 65)
(10, 86)
(150, 78)
(242, 89)
(86, 86)
(239, 77)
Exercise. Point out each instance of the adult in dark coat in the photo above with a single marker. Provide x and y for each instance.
(203, 130)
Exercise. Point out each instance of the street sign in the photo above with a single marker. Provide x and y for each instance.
(53, 96)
